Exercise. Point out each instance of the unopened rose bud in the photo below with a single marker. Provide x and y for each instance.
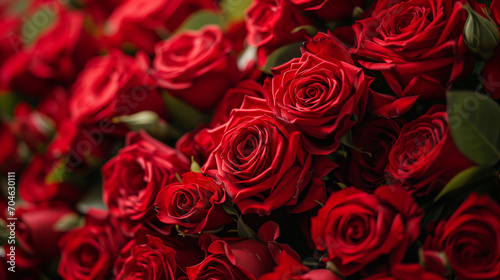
(480, 34)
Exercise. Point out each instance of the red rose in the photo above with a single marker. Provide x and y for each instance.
(110, 86)
(81, 146)
(133, 178)
(417, 45)
(238, 258)
(9, 157)
(262, 163)
(270, 25)
(329, 10)
(37, 234)
(356, 228)
(143, 23)
(151, 260)
(491, 75)
(89, 252)
(56, 56)
(42, 181)
(407, 271)
(425, 158)
(194, 205)
(291, 268)
(196, 66)
(32, 126)
(470, 239)
(365, 169)
(10, 43)
(322, 98)
(196, 144)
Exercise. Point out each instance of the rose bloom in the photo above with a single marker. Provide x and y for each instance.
(149, 261)
(417, 45)
(291, 268)
(143, 23)
(270, 24)
(37, 233)
(323, 96)
(10, 161)
(329, 10)
(133, 178)
(356, 228)
(89, 252)
(262, 163)
(113, 85)
(239, 258)
(196, 66)
(425, 158)
(406, 271)
(196, 144)
(56, 57)
(470, 239)
(36, 185)
(365, 169)
(194, 205)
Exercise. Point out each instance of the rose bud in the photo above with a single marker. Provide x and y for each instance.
(195, 205)
(437, 262)
(470, 239)
(270, 25)
(196, 66)
(133, 178)
(356, 228)
(480, 34)
(196, 144)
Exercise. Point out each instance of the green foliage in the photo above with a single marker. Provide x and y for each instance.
(475, 126)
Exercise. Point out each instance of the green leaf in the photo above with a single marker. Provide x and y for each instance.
(68, 222)
(244, 231)
(199, 19)
(282, 55)
(467, 180)
(346, 140)
(184, 116)
(8, 102)
(234, 10)
(230, 209)
(311, 30)
(475, 126)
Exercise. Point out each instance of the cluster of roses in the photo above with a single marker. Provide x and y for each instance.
(327, 119)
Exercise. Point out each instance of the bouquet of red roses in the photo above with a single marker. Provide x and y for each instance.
(250, 140)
